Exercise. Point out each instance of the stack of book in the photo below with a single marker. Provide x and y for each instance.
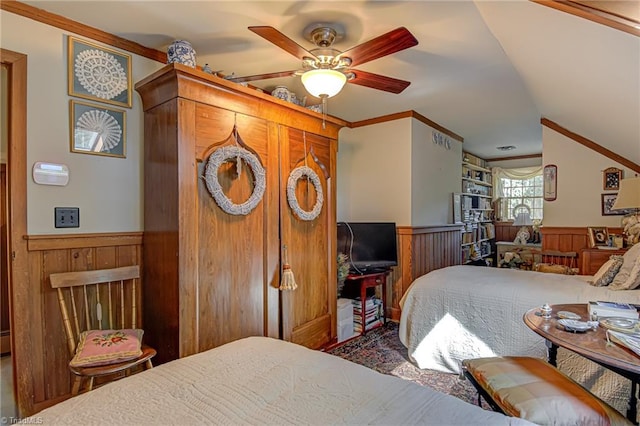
(373, 314)
(602, 309)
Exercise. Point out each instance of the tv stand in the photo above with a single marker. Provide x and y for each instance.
(365, 281)
(369, 271)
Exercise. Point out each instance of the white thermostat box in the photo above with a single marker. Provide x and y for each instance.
(50, 174)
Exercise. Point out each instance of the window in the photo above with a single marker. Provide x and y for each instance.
(521, 191)
(515, 187)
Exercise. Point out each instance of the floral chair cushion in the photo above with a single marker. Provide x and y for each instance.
(101, 347)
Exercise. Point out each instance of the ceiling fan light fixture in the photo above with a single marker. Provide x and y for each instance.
(323, 82)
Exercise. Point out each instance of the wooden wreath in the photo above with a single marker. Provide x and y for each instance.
(234, 153)
(296, 174)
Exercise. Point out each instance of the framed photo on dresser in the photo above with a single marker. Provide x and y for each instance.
(598, 236)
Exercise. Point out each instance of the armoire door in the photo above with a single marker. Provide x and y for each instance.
(308, 312)
(238, 258)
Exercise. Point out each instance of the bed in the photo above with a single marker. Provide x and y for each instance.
(260, 380)
(468, 312)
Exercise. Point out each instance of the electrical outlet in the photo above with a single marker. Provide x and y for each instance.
(67, 217)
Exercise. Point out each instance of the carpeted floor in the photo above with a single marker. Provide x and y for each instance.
(381, 350)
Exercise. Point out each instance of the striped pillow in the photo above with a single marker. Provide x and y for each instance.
(607, 271)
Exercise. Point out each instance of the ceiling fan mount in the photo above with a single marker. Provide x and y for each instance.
(323, 36)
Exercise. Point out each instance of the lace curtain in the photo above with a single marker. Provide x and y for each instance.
(520, 173)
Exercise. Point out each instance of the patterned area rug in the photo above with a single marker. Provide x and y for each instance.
(381, 350)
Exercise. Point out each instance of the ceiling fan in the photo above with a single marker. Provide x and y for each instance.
(332, 67)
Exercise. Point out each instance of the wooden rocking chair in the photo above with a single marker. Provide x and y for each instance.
(85, 294)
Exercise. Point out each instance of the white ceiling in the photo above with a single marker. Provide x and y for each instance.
(486, 70)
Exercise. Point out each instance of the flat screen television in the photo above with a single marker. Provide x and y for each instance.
(371, 246)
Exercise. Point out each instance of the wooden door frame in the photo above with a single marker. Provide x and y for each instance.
(19, 283)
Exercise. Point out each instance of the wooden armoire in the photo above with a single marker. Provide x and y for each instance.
(210, 277)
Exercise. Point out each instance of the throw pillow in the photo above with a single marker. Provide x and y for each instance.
(607, 272)
(101, 347)
(629, 260)
(631, 281)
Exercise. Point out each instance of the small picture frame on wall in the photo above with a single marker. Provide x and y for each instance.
(97, 129)
(98, 73)
(611, 178)
(608, 200)
(550, 178)
(598, 236)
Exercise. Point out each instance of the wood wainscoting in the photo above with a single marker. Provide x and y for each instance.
(554, 238)
(421, 249)
(505, 231)
(569, 239)
(41, 354)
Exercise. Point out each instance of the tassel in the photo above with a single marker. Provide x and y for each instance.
(288, 281)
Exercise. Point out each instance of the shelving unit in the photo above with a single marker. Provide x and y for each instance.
(473, 209)
(368, 309)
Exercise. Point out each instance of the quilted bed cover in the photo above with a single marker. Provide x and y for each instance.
(258, 381)
(461, 312)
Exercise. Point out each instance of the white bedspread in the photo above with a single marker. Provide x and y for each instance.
(467, 312)
(260, 381)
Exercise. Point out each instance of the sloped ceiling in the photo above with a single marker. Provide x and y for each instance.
(486, 70)
(587, 79)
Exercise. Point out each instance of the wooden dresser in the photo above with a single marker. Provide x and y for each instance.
(211, 277)
(593, 259)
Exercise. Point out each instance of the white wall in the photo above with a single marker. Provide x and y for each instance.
(374, 173)
(392, 171)
(107, 190)
(436, 173)
(579, 183)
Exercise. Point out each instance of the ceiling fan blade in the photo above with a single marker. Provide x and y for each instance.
(386, 44)
(263, 76)
(282, 41)
(376, 81)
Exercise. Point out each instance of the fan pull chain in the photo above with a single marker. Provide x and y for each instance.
(304, 140)
(324, 111)
(235, 137)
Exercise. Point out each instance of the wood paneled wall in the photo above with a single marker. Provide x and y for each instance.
(5, 345)
(568, 239)
(420, 250)
(47, 380)
(553, 238)
(505, 231)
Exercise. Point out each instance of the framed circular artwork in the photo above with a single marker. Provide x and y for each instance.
(98, 73)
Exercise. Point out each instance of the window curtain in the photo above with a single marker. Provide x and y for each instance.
(520, 173)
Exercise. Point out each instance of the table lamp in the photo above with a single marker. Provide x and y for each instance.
(523, 219)
(629, 199)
